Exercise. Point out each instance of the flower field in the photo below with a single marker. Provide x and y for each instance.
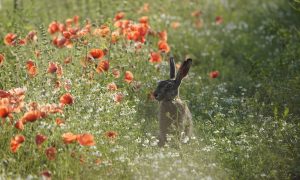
(77, 79)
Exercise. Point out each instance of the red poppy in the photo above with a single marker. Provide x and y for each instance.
(10, 39)
(53, 27)
(31, 36)
(214, 74)
(175, 24)
(19, 125)
(39, 139)
(111, 134)
(4, 111)
(196, 13)
(118, 97)
(102, 66)
(2, 58)
(112, 86)
(163, 46)
(128, 77)
(103, 31)
(96, 53)
(116, 73)
(69, 137)
(51, 153)
(68, 60)
(163, 35)
(66, 34)
(4, 94)
(46, 175)
(219, 20)
(31, 116)
(144, 20)
(52, 68)
(119, 15)
(31, 68)
(66, 99)
(86, 139)
(155, 57)
(115, 35)
(76, 19)
(59, 121)
(16, 142)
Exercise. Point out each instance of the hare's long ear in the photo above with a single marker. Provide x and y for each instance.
(183, 70)
(172, 68)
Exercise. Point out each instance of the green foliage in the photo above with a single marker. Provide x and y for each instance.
(246, 120)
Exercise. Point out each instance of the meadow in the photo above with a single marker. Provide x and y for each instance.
(77, 80)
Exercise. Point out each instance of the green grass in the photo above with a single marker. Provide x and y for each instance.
(246, 120)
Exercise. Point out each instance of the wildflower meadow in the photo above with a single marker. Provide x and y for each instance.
(77, 82)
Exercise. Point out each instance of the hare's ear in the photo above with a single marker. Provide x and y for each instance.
(183, 70)
(172, 68)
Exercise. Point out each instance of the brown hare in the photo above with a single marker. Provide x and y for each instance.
(172, 110)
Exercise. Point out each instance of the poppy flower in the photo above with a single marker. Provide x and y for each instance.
(46, 175)
(163, 35)
(219, 20)
(163, 46)
(10, 39)
(96, 53)
(19, 138)
(155, 57)
(86, 139)
(118, 97)
(103, 31)
(198, 23)
(22, 42)
(59, 71)
(119, 15)
(68, 60)
(31, 116)
(196, 13)
(144, 9)
(175, 24)
(31, 68)
(69, 138)
(214, 74)
(112, 86)
(2, 58)
(76, 19)
(115, 35)
(16, 142)
(66, 34)
(116, 73)
(111, 134)
(59, 121)
(4, 94)
(52, 68)
(53, 27)
(51, 153)
(66, 99)
(31, 36)
(39, 139)
(4, 111)
(102, 66)
(144, 20)
(19, 125)
(128, 77)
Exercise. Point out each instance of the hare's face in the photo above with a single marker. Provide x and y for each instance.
(166, 90)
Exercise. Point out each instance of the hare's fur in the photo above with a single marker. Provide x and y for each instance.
(172, 110)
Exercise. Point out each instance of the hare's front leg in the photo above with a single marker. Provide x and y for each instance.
(164, 124)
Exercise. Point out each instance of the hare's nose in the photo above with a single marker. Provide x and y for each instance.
(155, 94)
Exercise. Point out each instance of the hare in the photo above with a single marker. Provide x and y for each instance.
(172, 110)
